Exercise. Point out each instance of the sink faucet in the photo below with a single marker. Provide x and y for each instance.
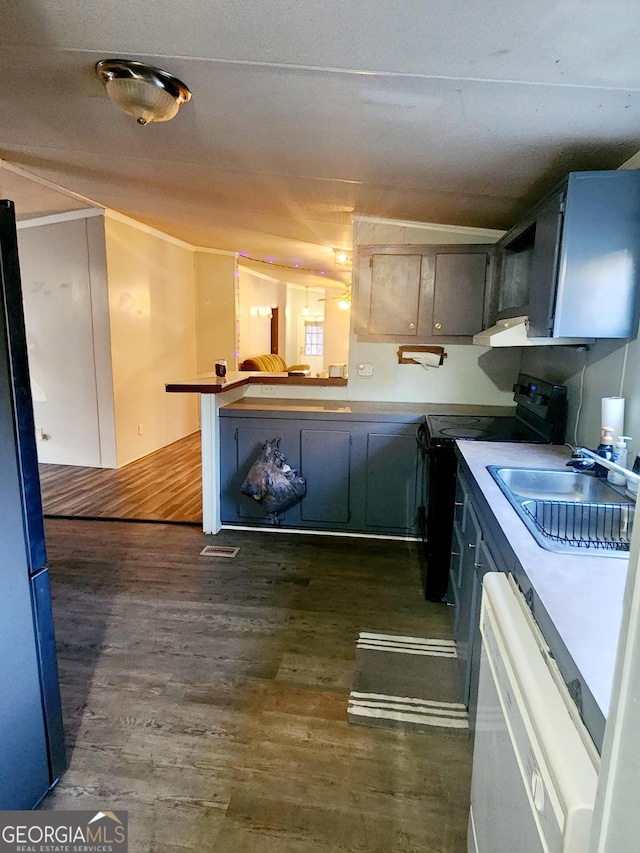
(586, 460)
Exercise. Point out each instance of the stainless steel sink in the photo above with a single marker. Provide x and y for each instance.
(569, 512)
(556, 485)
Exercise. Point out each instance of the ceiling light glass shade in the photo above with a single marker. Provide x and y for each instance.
(343, 258)
(144, 92)
(142, 100)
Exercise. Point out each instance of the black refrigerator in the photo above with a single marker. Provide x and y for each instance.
(32, 749)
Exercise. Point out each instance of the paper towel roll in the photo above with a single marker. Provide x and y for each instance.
(613, 415)
(426, 359)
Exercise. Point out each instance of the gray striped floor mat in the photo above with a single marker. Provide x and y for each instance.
(407, 683)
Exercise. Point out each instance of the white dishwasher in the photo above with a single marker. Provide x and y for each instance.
(535, 769)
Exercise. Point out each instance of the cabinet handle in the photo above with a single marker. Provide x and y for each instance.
(455, 553)
(459, 503)
(477, 565)
(438, 325)
(412, 325)
(471, 545)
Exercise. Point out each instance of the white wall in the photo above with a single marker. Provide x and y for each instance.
(152, 314)
(337, 323)
(610, 369)
(216, 294)
(64, 284)
(258, 292)
(470, 374)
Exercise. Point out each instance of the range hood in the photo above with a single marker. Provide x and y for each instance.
(513, 333)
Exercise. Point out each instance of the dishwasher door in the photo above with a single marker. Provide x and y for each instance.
(534, 773)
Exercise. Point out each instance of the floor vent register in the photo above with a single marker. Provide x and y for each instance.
(218, 551)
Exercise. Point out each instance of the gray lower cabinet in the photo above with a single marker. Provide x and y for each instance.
(473, 554)
(471, 539)
(388, 479)
(247, 438)
(361, 476)
(479, 546)
(325, 459)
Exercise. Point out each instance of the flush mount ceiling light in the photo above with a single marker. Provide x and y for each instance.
(144, 92)
(343, 257)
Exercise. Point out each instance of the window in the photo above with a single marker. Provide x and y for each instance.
(314, 338)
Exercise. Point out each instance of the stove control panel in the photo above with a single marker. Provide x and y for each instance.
(544, 401)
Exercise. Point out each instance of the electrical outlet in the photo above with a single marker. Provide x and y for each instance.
(140, 429)
(365, 368)
(268, 390)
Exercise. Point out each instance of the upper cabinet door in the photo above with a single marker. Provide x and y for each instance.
(395, 294)
(421, 294)
(459, 292)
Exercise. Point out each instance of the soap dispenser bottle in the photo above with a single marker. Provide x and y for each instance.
(620, 458)
(605, 448)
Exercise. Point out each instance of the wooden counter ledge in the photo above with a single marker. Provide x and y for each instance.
(212, 384)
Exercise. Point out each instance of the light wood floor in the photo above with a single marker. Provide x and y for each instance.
(163, 486)
(209, 696)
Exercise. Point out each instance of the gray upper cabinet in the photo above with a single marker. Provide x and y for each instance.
(458, 299)
(395, 294)
(571, 263)
(421, 294)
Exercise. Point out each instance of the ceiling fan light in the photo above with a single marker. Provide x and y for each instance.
(142, 91)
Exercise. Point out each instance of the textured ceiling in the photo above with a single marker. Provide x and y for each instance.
(304, 113)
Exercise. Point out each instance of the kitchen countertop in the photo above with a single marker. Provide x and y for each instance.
(353, 409)
(582, 594)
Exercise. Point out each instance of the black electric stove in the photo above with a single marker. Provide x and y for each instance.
(540, 417)
(443, 430)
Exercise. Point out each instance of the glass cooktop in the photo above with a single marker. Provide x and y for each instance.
(445, 429)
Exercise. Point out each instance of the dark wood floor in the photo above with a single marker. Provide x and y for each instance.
(163, 486)
(209, 696)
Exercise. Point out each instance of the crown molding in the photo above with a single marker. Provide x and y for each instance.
(431, 226)
(53, 218)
